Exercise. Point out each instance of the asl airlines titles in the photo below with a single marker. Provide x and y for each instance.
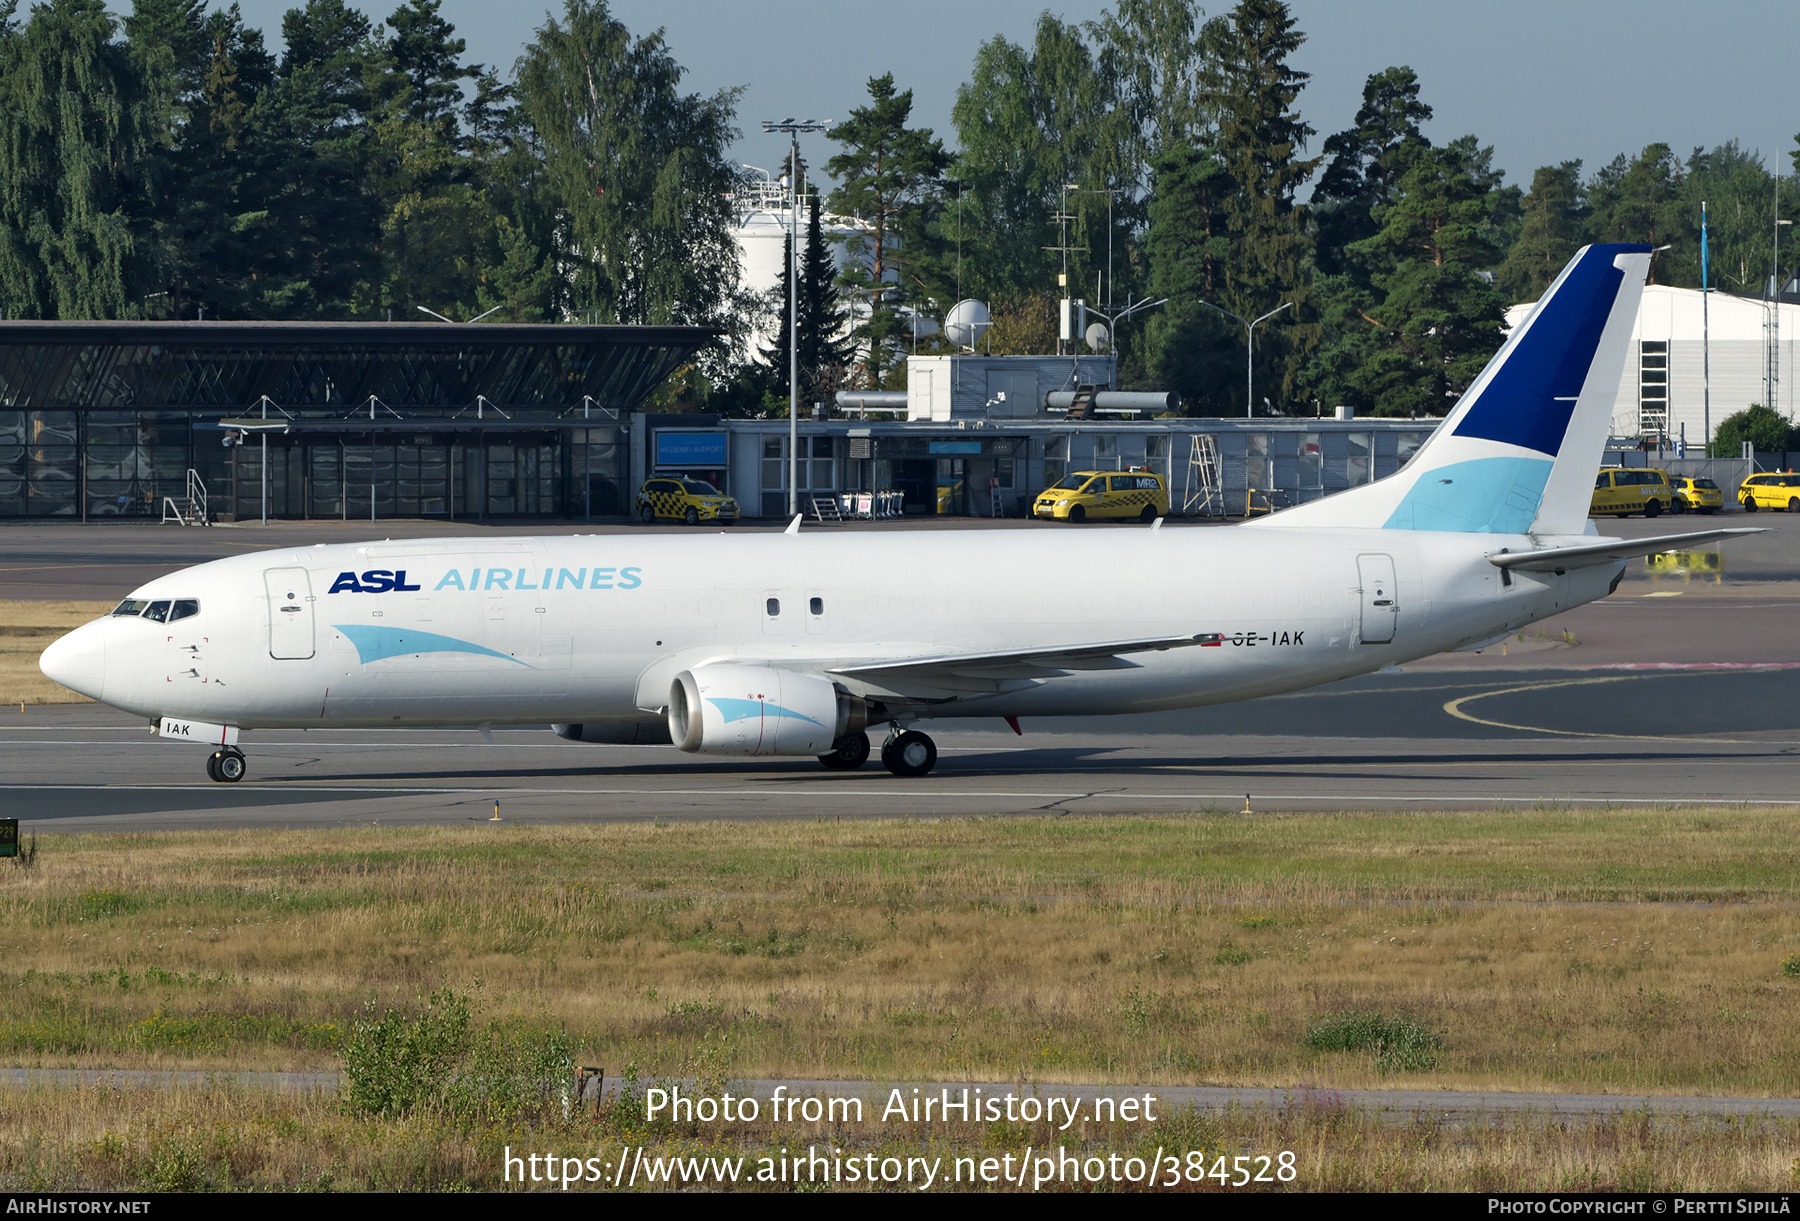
(382, 580)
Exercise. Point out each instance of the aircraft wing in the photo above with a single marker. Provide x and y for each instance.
(1561, 559)
(979, 671)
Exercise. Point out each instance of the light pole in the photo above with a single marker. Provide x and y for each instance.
(1249, 350)
(793, 127)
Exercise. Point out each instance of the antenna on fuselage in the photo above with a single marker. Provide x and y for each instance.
(794, 526)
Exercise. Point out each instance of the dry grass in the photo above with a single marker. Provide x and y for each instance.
(216, 1139)
(26, 630)
(1607, 951)
(1624, 951)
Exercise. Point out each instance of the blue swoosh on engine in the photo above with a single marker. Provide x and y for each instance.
(376, 643)
(743, 710)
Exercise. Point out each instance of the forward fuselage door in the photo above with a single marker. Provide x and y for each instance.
(1380, 601)
(290, 613)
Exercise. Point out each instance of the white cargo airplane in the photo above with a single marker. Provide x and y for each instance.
(797, 644)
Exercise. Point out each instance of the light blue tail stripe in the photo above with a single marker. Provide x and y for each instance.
(1483, 496)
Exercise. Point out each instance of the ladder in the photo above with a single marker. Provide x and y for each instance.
(189, 510)
(1205, 492)
(1083, 405)
(825, 508)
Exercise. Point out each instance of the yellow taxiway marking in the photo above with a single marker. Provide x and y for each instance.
(1666, 593)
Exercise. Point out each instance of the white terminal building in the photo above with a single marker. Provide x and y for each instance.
(1662, 392)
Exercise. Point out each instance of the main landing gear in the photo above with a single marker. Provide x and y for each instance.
(909, 754)
(226, 765)
(904, 754)
(848, 753)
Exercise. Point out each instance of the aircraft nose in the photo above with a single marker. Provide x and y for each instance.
(78, 660)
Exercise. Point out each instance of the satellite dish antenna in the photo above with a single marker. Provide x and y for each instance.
(966, 323)
(1097, 337)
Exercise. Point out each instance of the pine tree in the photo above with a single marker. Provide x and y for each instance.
(1643, 201)
(886, 172)
(1253, 90)
(1554, 228)
(824, 351)
(1366, 163)
(1192, 349)
(1438, 320)
(823, 354)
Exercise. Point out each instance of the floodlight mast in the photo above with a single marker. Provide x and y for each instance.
(793, 127)
(1250, 326)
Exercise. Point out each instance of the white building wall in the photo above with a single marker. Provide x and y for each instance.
(1735, 344)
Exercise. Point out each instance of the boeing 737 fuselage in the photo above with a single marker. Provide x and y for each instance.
(799, 643)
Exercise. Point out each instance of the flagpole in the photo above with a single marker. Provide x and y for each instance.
(1705, 341)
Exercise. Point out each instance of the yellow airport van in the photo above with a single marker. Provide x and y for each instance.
(1622, 492)
(1095, 494)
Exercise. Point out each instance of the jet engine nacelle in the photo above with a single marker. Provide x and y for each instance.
(755, 710)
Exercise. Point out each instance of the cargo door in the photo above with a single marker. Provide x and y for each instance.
(1380, 604)
(290, 613)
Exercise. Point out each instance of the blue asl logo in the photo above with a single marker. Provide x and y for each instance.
(375, 581)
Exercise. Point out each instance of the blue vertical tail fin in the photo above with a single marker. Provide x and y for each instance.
(1517, 454)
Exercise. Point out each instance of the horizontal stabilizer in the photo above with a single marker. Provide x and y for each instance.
(1103, 656)
(1560, 559)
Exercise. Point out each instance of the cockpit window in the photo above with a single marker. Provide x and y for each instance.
(131, 606)
(184, 608)
(159, 611)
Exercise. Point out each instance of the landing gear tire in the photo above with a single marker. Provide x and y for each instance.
(848, 753)
(226, 766)
(1078, 513)
(691, 517)
(910, 754)
(647, 514)
(1148, 515)
(1653, 508)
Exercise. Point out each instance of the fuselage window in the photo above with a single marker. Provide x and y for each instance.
(131, 606)
(818, 606)
(774, 607)
(184, 608)
(159, 611)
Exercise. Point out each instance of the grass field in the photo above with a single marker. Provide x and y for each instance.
(1623, 951)
(26, 630)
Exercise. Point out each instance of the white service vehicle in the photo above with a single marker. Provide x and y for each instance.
(799, 644)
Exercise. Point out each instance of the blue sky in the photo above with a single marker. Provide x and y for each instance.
(1541, 80)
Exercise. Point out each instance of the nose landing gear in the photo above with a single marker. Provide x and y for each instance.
(226, 765)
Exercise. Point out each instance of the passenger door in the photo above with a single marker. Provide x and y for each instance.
(290, 593)
(1380, 603)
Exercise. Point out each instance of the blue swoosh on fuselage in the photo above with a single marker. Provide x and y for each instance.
(743, 710)
(376, 643)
